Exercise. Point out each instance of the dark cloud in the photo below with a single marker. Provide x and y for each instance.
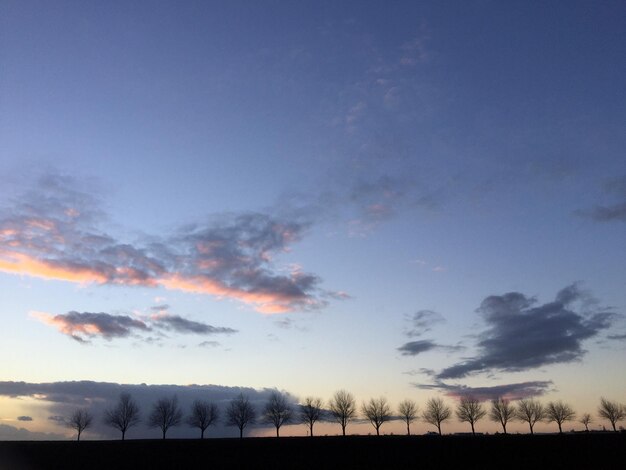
(522, 335)
(422, 322)
(413, 348)
(24, 418)
(610, 212)
(85, 325)
(514, 391)
(11, 433)
(62, 398)
(182, 325)
(54, 233)
(617, 337)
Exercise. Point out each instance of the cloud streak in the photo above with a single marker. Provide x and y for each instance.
(514, 391)
(522, 335)
(53, 233)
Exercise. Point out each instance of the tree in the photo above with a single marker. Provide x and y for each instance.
(377, 411)
(80, 420)
(408, 410)
(470, 410)
(124, 415)
(277, 411)
(165, 414)
(502, 411)
(311, 411)
(343, 408)
(530, 411)
(559, 412)
(203, 414)
(240, 413)
(586, 419)
(612, 411)
(436, 412)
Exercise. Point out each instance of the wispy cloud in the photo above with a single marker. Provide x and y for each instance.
(515, 391)
(521, 335)
(53, 233)
(86, 325)
(615, 211)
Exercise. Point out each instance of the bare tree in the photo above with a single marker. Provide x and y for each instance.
(80, 420)
(240, 413)
(203, 414)
(436, 412)
(530, 411)
(612, 411)
(502, 411)
(277, 411)
(165, 414)
(124, 415)
(343, 408)
(585, 420)
(559, 412)
(408, 410)
(311, 411)
(470, 410)
(377, 411)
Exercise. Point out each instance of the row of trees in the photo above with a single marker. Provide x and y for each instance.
(342, 408)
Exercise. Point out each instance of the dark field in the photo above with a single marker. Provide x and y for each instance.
(588, 451)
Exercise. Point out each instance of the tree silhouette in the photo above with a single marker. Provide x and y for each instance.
(377, 411)
(530, 411)
(470, 410)
(586, 419)
(311, 411)
(612, 411)
(502, 412)
(240, 413)
(203, 414)
(165, 414)
(559, 412)
(408, 410)
(436, 412)
(124, 415)
(343, 408)
(277, 411)
(80, 420)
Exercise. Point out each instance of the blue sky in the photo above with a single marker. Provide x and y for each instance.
(311, 196)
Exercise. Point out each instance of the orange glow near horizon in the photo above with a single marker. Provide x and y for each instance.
(19, 263)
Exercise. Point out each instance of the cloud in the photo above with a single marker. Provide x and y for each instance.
(522, 335)
(24, 418)
(182, 325)
(11, 433)
(422, 322)
(54, 233)
(60, 399)
(209, 344)
(609, 212)
(617, 337)
(515, 391)
(413, 348)
(86, 325)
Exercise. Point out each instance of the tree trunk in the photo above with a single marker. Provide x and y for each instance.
(504, 428)
(473, 432)
(240, 433)
(311, 425)
(377, 431)
(201, 433)
(277, 428)
(343, 429)
(531, 429)
(408, 429)
(613, 423)
(78, 438)
(123, 434)
(560, 430)
(439, 429)
(164, 431)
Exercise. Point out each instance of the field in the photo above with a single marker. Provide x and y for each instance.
(571, 451)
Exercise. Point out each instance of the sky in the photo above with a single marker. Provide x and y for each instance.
(399, 199)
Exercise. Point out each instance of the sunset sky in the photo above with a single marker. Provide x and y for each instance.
(399, 199)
